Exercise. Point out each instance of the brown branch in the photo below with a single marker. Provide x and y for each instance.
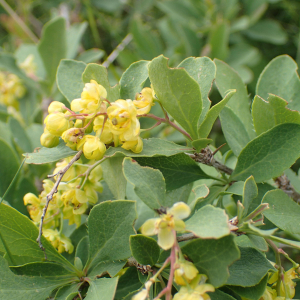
(60, 175)
(284, 184)
(206, 156)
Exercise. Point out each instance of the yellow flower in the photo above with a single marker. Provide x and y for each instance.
(56, 106)
(29, 66)
(289, 283)
(91, 99)
(106, 136)
(72, 137)
(123, 120)
(34, 206)
(144, 293)
(77, 199)
(144, 101)
(92, 147)
(135, 145)
(57, 123)
(185, 273)
(196, 291)
(166, 224)
(49, 140)
(58, 241)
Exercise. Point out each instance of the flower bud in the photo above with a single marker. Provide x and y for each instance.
(56, 106)
(185, 273)
(49, 140)
(72, 137)
(92, 147)
(144, 101)
(135, 145)
(57, 123)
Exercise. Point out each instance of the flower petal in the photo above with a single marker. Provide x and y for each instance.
(180, 210)
(149, 227)
(166, 238)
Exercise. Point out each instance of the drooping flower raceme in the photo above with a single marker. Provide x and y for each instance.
(166, 224)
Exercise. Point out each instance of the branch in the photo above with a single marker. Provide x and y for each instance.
(60, 174)
(206, 156)
(118, 49)
(284, 184)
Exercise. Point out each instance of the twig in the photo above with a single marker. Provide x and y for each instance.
(284, 184)
(19, 21)
(118, 49)
(167, 121)
(186, 237)
(206, 157)
(49, 197)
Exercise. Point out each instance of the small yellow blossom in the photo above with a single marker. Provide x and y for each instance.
(135, 145)
(56, 106)
(196, 290)
(72, 137)
(143, 101)
(92, 147)
(123, 120)
(166, 224)
(58, 241)
(144, 293)
(29, 66)
(34, 206)
(185, 273)
(49, 140)
(91, 99)
(77, 199)
(106, 136)
(57, 123)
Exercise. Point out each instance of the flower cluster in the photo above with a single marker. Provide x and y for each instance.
(287, 286)
(70, 202)
(111, 123)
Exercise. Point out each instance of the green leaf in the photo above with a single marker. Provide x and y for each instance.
(114, 177)
(178, 92)
(258, 242)
(219, 39)
(266, 115)
(200, 144)
(253, 292)
(177, 195)
(209, 222)
(280, 78)
(74, 35)
(149, 184)
(178, 170)
(110, 267)
(234, 130)
(144, 249)
(227, 78)
(22, 287)
(91, 55)
(212, 257)
(133, 79)
(249, 269)
(68, 292)
(99, 74)
(250, 192)
(263, 156)
(19, 234)
(47, 155)
(152, 147)
(110, 224)
(82, 250)
(19, 135)
(103, 288)
(268, 31)
(203, 70)
(52, 47)
(9, 165)
(219, 295)
(283, 211)
(69, 80)
(207, 124)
